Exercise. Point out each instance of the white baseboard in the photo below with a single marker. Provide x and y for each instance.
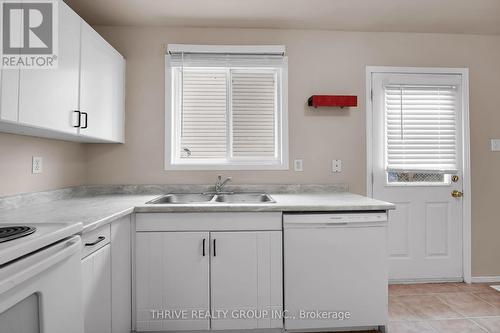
(485, 279)
(424, 280)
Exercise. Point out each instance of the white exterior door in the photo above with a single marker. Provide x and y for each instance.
(417, 163)
(172, 275)
(246, 274)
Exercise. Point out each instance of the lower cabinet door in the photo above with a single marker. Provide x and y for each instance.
(246, 280)
(96, 279)
(172, 281)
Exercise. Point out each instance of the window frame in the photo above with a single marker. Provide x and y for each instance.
(172, 128)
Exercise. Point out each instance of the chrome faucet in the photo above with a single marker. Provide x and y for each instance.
(219, 184)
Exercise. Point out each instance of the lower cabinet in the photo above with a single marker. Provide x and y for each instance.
(172, 274)
(190, 280)
(96, 279)
(106, 278)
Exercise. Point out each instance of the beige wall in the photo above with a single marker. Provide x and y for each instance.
(64, 164)
(319, 62)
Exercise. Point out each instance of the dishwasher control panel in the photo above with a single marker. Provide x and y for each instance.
(335, 218)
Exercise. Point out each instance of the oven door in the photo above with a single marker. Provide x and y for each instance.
(42, 292)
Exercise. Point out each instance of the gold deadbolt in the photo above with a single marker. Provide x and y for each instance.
(454, 179)
(457, 194)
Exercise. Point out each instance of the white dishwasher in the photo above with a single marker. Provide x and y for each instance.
(335, 270)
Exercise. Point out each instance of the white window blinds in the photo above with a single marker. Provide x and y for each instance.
(227, 109)
(203, 113)
(420, 123)
(254, 113)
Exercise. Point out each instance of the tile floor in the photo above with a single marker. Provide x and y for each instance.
(444, 308)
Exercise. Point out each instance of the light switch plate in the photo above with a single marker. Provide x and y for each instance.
(336, 166)
(298, 165)
(37, 164)
(495, 144)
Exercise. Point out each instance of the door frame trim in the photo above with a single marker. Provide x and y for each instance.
(466, 207)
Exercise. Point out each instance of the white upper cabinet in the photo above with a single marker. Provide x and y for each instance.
(9, 91)
(9, 85)
(101, 87)
(83, 99)
(48, 98)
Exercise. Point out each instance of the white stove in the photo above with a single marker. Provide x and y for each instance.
(32, 238)
(37, 262)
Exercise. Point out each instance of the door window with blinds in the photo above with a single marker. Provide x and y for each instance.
(421, 138)
(227, 108)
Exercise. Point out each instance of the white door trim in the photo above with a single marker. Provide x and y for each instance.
(466, 208)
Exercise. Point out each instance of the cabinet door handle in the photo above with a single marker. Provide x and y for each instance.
(97, 241)
(215, 251)
(86, 120)
(79, 116)
(204, 246)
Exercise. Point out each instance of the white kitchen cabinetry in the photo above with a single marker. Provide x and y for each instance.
(101, 87)
(48, 98)
(121, 276)
(213, 268)
(172, 274)
(9, 88)
(107, 278)
(81, 100)
(246, 275)
(96, 279)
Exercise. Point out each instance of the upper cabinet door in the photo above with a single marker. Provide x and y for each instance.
(9, 85)
(9, 90)
(49, 97)
(246, 274)
(101, 88)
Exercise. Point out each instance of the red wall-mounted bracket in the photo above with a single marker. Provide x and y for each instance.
(333, 101)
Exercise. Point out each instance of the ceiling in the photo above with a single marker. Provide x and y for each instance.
(440, 16)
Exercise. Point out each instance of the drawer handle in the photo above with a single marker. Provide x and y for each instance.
(97, 241)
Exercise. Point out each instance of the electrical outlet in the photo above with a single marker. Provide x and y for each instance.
(298, 165)
(37, 164)
(336, 166)
(495, 144)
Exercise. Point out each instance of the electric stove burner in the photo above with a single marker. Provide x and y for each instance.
(15, 231)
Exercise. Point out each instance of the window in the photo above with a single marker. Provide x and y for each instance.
(227, 108)
(421, 135)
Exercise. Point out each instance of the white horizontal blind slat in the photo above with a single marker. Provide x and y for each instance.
(253, 113)
(420, 124)
(225, 60)
(203, 113)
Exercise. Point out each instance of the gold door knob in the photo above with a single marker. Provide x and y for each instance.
(457, 194)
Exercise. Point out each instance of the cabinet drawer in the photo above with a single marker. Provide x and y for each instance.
(95, 239)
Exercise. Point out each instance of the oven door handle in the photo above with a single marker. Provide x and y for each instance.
(34, 264)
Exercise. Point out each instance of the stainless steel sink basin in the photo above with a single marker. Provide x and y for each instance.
(198, 198)
(182, 198)
(244, 198)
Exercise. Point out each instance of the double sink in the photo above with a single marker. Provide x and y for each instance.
(208, 198)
